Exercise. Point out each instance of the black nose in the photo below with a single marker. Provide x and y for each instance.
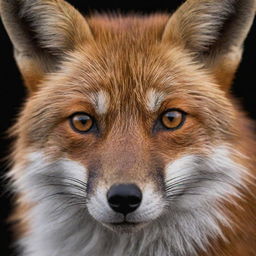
(124, 198)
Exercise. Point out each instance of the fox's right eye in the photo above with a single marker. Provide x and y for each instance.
(81, 122)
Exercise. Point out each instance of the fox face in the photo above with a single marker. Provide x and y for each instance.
(122, 132)
(129, 134)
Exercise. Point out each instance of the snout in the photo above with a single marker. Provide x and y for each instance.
(126, 207)
(124, 198)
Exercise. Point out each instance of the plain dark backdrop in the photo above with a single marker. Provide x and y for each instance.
(12, 92)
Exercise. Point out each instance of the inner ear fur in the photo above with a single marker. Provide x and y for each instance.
(214, 32)
(42, 32)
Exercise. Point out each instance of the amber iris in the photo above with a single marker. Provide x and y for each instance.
(173, 119)
(81, 122)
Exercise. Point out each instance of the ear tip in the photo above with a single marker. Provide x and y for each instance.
(2, 3)
(7, 6)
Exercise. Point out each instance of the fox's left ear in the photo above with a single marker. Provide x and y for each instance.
(214, 31)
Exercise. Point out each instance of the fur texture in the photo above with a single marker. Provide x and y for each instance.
(197, 181)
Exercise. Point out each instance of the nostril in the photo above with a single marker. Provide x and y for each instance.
(124, 198)
(116, 200)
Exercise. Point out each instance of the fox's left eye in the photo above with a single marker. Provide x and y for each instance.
(173, 119)
(81, 122)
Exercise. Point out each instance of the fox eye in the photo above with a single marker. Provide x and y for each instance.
(173, 119)
(81, 122)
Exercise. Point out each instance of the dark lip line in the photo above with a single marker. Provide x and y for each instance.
(125, 223)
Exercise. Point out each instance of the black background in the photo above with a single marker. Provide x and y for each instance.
(12, 92)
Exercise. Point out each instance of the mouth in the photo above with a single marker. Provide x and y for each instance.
(125, 223)
(125, 226)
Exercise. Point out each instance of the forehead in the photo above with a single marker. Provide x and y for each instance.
(117, 69)
(128, 69)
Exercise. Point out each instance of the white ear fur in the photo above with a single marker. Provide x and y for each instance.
(41, 32)
(214, 31)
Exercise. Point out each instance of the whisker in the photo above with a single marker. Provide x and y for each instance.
(65, 185)
(173, 190)
(177, 195)
(65, 194)
(68, 205)
(79, 212)
(187, 184)
(67, 178)
(195, 179)
(192, 177)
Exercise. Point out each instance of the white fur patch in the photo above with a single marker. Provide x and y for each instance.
(101, 101)
(197, 184)
(154, 100)
(62, 226)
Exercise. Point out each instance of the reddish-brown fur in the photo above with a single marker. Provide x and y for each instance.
(126, 57)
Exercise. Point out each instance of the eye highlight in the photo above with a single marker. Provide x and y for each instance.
(81, 122)
(173, 119)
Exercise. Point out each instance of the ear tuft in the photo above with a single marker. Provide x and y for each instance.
(42, 32)
(56, 25)
(214, 31)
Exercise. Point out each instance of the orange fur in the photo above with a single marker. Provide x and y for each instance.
(126, 57)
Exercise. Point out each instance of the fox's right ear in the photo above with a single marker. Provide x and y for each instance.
(42, 32)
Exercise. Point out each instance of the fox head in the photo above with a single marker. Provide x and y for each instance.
(128, 120)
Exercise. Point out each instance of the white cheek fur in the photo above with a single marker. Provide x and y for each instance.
(57, 229)
(40, 174)
(211, 178)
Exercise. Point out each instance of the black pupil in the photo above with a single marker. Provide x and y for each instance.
(83, 119)
(171, 116)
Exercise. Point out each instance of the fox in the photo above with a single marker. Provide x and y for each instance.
(130, 142)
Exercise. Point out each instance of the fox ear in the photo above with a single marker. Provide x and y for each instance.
(42, 32)
(214, 32)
